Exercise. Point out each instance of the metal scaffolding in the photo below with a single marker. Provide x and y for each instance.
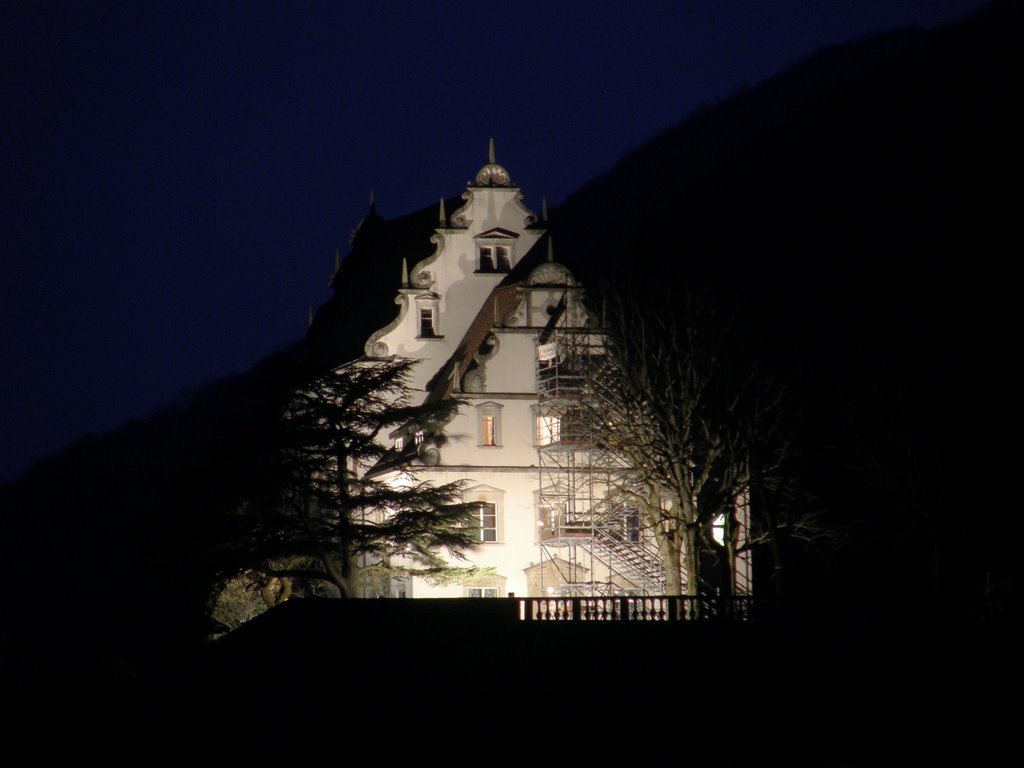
(591, 543)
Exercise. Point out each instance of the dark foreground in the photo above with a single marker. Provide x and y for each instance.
(384, 681)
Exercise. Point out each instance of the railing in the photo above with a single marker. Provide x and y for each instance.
(659, 608)
(635, 560)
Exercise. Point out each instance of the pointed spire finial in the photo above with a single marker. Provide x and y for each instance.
(337, 260)
(310, 316)
(441, 216)
(490, 151)
(405, 273)
(543, 209)
(551, 252)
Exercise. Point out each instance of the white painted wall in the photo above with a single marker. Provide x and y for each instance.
(505, 474)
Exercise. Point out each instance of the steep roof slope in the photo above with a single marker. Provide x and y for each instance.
(369, 278)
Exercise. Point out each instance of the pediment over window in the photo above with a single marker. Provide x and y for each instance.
(481, 489)
(497, 233)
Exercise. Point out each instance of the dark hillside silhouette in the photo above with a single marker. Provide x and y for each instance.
(861, 212)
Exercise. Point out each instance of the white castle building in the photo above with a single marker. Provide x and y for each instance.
(480, 314)
(497, 322)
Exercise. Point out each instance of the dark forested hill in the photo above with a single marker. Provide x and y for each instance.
(861, 214)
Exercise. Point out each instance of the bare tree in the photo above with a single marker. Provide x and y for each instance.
(687, 414)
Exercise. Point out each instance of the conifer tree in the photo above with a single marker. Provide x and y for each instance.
(324, 513)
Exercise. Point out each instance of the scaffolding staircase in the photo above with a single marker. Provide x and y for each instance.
(582, 527)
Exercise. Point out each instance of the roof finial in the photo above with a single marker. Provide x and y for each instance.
(373, 202)
(440, 214)
(310, 317)
(492, 174)
(551, 252)
(337, 260)
(543, 209)
(405, 273)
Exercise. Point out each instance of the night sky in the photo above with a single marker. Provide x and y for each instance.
(177, 176)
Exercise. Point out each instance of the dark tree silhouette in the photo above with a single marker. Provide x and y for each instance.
(700, 428)
(326, 514)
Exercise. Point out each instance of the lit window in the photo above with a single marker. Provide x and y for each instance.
(718, 529)
(489, 425)
(482, 591)
(419, 438)
(485, 515)
(399, 443)
(548, 430)
(428, 329)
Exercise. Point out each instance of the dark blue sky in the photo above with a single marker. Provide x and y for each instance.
(177, 176)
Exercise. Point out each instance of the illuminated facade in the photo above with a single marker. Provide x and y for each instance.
(498, 322)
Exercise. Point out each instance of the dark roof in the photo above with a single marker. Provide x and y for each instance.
(370, 275)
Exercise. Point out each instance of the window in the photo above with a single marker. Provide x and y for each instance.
(632, 526)
(718, 529)
(487, 436)
(486, 505)
(501, 253)
(399, 443)
(486, 258)
(488, 421)
(495, 258)
(549, 430)
(489, 586)
(485, 514)
(428, 329)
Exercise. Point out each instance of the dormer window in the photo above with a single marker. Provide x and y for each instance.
(495, 258)
(496, 251)
(428, 326)
(427, 322)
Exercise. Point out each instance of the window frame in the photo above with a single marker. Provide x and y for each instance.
(486, 509)
(488, 413)
(427, 309)
(491, 246)
(543, 433)
(497, 583)
(479, 496)
(427, 313)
